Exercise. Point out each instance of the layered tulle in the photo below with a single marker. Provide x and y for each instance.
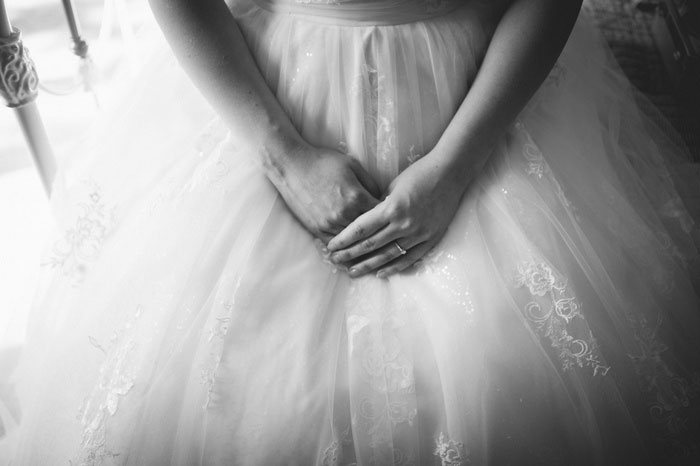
(186, 317)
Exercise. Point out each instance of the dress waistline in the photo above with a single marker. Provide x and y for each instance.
(362, 12)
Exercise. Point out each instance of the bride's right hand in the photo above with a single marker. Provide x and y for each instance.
(325, 189)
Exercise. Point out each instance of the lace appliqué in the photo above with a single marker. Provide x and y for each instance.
(217, 335)
(116, 379)
(213, 148)
(334, 454)
(331, 455)
(370, 85)
(208, 372)
(536, 164)
(413, 156)
(451, 453)
(384, 387)
(672, 393)
(82, 243)
(554, 313)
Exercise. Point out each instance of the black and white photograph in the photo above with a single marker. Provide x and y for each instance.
(350, 233)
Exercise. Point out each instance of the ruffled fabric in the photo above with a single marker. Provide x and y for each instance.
(186, 318)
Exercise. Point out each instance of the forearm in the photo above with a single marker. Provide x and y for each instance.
(525, 45)
(211, 48)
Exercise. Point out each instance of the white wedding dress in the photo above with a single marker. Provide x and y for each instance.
(185, 317)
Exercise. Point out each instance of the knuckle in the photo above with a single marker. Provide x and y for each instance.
(368, 244)
(391, 211)
(360, 232)
(395, 211)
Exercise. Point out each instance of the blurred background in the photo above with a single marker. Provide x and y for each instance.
(655, 41)
(72, 94)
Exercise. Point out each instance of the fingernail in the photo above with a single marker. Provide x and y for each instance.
(353, 271)
(324, 250)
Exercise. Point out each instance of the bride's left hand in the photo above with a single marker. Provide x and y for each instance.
(417, 209)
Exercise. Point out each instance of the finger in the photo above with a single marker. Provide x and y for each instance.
(381, 257)
(386, 235)
(362, 227)
(401, 263)
(366, 180)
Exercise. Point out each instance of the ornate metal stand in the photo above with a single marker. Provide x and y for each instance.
(80, 47)
(18, 87)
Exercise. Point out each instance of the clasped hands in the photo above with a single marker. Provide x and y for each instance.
(367, 231)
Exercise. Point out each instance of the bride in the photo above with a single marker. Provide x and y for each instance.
(389, 232)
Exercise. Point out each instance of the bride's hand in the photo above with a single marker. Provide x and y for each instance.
(419, 206)
(325, 189)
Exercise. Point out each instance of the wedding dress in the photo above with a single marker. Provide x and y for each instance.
(185, 317)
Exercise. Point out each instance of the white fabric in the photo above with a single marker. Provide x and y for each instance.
(186, 318)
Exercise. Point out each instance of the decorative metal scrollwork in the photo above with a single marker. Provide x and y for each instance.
(18, 78)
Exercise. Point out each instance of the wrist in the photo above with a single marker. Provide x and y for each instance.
(461, 159)
(451, 168)
(279, 150)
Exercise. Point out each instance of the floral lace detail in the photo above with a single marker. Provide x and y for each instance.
(213, 149)
(331, 455)
(116, 379)
(451, 453)
(413, 156)
(553, 312)
(385, 365)
(536, 164)
(208, 372)
(672, 394)
(383, 395)
(217, 335)
(370, 85)
(82, 243)
(538, 278)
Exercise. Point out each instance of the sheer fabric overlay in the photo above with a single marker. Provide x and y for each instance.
(185, 317)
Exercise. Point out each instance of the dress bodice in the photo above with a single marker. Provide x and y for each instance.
(362, 12)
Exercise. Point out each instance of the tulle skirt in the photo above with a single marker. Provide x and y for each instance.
(185, 317)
